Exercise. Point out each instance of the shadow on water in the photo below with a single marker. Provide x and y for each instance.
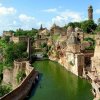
(34, 87)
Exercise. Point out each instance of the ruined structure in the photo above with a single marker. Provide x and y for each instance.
(17, 39)
(21, 90)
(94, 74)
(42, 37)
(67, 51)
(57, 30)
(7, 33)
(10, 75)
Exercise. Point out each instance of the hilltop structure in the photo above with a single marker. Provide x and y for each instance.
(66, 46)
(90, 13)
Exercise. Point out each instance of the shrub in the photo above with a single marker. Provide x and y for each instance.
(4, 89)
(20, 76)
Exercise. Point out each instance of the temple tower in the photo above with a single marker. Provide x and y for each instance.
(90, 13)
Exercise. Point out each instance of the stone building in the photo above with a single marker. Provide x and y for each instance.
(75, 58)
(7, 33)
(56, 30)
(90, 13)
(17, 39)
(42, 37)
(67, 52)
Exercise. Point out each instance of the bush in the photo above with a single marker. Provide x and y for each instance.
(4, 89)
(24, 55)
(20, 76)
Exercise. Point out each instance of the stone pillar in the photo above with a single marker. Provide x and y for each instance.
(29, 48)
(80, 64)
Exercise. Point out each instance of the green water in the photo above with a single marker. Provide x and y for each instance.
(58, 84)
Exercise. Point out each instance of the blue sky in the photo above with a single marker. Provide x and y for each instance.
(29, 14)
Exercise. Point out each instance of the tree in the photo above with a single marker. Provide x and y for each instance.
(29, 33)
(6, 39)
(97, 29)
(73, 24)
(88, 26)
(14, 51)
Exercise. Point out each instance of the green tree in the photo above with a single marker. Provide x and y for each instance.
(29, 33)
(88, 26)
(73, 24)
(97, 29)
(14, 51)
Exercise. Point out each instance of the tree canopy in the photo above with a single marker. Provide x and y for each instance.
(88, 26)
(14, 51)
(29, 33)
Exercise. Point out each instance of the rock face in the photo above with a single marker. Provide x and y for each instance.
(94, 74)
(68, 53)
(7, 76)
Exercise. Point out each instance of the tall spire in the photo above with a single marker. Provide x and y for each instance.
(90, 13)
(41, 27)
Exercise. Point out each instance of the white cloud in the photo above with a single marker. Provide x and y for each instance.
(27, 22)
(97, 11)
(10, 20)
(7, 11)
(25, 18)
(50, 10)
(67, 16)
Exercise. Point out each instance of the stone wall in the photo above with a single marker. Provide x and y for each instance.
(72, 62)
(7, 76)
(23, 89)
(20, 65)
(10, 75)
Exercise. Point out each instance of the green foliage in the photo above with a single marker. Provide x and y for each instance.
(43, 45)
(97, 29)
(29, 33)
(73, 24)
(90, 48)
(55, 37)
(4, 89)
(88, 26)
(3, 43)
(92, 42)
(6, 39)
(24, 54)
(20, 76)
(14, 51)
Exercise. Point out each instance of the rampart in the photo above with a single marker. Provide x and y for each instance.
(24, 87)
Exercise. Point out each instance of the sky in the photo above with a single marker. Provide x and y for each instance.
(28, 14)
